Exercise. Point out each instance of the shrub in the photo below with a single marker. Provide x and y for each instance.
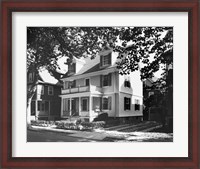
(101, 117)
(93, 125)
(42, 123)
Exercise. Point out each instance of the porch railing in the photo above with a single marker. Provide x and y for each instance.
(80, 89)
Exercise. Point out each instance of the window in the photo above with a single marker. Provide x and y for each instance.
(137, 105)
(106, 80)
(66, 85)
(87, 82)
(72, 84)
(50, 90)
(40, 89)
(84, 103)
(30, 77)
(127, 103)
(43, 106)
(127, 82)
(72, 68)
(106, 103)
(105, 60)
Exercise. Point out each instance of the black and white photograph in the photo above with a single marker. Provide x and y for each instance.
(99, 84)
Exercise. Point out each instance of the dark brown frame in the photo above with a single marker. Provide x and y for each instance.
(9, 6)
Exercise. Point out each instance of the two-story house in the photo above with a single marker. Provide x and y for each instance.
(45, 104)
(93, 86)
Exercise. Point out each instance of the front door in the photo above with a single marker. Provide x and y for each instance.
(75, 104)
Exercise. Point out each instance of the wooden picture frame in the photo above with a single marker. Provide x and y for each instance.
(10, 6)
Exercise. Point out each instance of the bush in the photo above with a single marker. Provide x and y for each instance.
(101, 117)
(42, 123)
(93, 125)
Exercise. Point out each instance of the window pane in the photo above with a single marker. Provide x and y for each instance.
(105, 103)
(87, 82)
(50, 90)
(107, 80)
(84, 104)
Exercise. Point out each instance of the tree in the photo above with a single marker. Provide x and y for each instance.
(136, 47)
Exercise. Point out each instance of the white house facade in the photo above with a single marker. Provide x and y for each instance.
(93, 86)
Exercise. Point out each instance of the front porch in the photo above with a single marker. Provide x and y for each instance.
(87, 107)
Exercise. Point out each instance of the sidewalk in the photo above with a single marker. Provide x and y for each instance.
(98, 135)
(114, 136)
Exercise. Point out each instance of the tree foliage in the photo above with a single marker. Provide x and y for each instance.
(138, 47)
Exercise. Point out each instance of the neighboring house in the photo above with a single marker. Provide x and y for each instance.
(148, 87)
(93, 86)
(45, 104)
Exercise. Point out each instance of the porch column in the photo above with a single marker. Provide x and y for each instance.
(61, 113)
(90, 106)
(79, 106)
(70, 108)
(36, 110)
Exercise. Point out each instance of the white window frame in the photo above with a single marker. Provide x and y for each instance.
(105, 60)
(66, 84)
(109, 107)
(50, 90)
(109, 76)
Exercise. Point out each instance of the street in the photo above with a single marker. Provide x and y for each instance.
(49, 136)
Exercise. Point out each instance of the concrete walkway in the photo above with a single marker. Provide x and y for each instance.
(99, 135)
(106, 135)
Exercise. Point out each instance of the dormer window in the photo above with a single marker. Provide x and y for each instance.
(72, 68)
(127, 82)
(105, 60)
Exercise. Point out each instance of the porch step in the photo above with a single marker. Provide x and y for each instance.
(133, 126)
(117, 127)
(142, 127)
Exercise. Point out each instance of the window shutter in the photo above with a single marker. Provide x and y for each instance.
(101, 61)
(109, 103)
(109, 58)
(124, 103)
(110, 79)
(129, 106)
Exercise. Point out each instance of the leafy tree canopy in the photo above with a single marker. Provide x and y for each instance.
(139, 48)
